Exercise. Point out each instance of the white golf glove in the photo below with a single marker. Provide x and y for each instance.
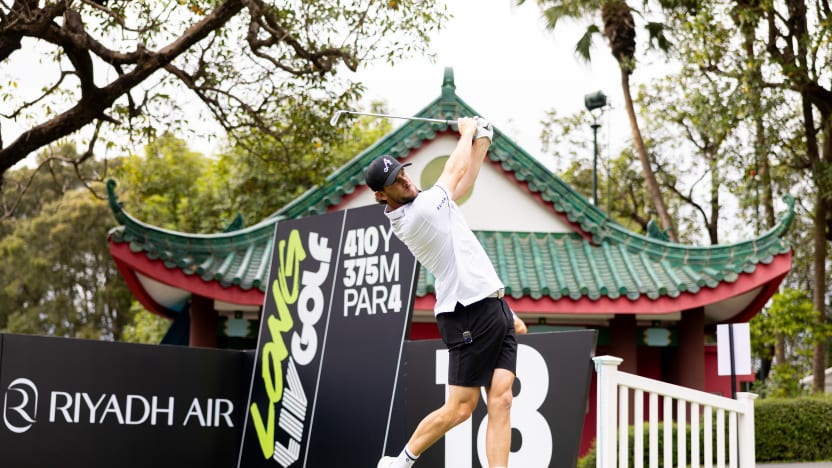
(484, 129)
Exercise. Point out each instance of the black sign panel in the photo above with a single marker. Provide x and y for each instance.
(330, 347)
(319, 391)
(101, 404)
(547, 414)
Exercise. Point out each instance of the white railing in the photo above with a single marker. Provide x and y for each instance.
(615, 390)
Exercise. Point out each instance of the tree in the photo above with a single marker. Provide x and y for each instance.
(145, 327)
(791, 317)
(267, 174)
(201, 194)
(620, 31)
(798, 42)
(57, 275)
(700, 117)
(123, 67)
(34, 187)
(193, 195)
(747, 15)
(773, 142)
(620, 181)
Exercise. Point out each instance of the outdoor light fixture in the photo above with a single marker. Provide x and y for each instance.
(593, 101)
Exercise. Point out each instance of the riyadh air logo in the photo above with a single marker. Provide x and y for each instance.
(387, 164)
(20, 405)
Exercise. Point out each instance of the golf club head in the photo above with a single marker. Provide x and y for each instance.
(334, 120)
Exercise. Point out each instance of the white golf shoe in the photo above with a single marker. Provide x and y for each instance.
(386, 462)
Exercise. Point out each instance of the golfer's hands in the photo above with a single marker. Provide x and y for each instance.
(467, 126)
(520, 327)
(484, 129)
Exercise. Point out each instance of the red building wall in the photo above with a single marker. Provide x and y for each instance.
(719, 384)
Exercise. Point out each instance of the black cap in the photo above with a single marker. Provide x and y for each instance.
(382, 172)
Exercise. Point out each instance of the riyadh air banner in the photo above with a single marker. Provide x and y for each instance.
(336, 313)
(95, 404)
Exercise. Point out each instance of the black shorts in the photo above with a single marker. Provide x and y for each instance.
(490, 343)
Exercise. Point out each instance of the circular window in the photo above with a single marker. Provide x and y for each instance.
(431, 173)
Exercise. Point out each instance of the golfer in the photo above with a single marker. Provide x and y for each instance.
(474, 321)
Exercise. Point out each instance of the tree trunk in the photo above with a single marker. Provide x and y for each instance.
(819, 299)
(762, 176)
(716, 182)
(649, 175)
(753, 78)
(821, 214)
(819, 288)
(779, 348)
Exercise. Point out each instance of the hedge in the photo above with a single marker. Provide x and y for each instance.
(793, 429)
(588, 460)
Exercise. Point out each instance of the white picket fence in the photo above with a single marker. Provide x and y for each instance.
(615, 390)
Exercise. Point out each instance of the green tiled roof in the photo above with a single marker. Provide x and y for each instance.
(234, 258)
(606, 261)
(559, 265)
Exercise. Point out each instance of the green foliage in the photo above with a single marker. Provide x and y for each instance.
(175, 188)
(784, 381)
(26, 190)
(791, 317)
(588, 460)
(793, 429)
(621, 187)
(145, 327)
(266, 174)
(57, 275)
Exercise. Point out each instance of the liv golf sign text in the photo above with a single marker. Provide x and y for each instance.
(335, 318)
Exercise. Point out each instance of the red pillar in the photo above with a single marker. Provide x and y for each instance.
(624, 341)
(203, 332)
(689, 360)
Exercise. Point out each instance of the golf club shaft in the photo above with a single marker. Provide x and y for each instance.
(388, 116)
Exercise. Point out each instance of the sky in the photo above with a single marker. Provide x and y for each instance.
(508, 67)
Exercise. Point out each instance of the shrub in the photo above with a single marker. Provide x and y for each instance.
(588, 460)
(795, 429)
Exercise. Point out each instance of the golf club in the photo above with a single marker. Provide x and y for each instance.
(337, 116)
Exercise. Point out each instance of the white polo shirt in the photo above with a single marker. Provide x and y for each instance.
(434, 230)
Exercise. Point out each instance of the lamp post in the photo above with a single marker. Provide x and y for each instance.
(593, 101)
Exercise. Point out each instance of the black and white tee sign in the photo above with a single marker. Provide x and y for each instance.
(336, 313)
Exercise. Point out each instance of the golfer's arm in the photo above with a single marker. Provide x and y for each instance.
(457, 165)
(478, 151)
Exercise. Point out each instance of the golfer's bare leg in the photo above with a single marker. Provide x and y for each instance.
(498, 433)
(461, 403)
